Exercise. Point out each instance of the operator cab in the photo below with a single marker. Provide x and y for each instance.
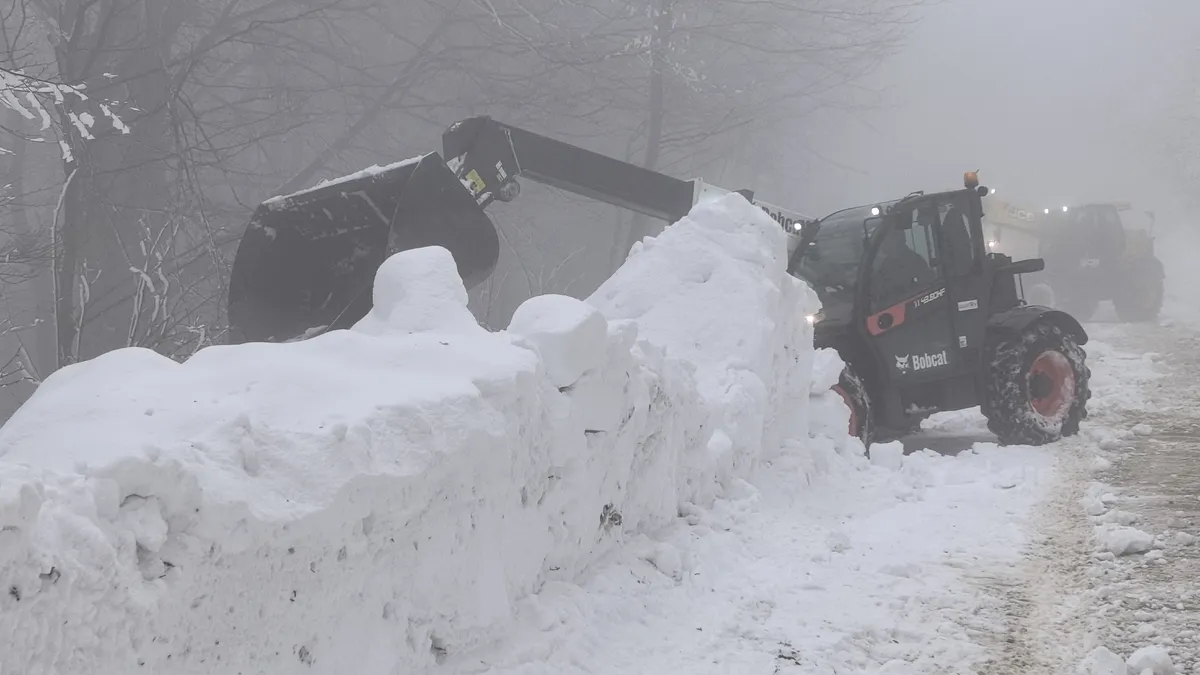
(910, 244)
(831, 252)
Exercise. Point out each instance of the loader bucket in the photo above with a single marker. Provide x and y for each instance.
(307, 261)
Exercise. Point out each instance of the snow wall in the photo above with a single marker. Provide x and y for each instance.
(369, 500)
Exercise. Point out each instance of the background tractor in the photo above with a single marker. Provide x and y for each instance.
(1094, 253)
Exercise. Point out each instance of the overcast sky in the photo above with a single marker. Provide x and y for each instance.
(1052, 102)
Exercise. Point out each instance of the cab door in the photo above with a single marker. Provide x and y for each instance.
(962, 251)
(905, 306)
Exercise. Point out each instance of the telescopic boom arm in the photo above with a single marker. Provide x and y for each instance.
(307, 261)
(487, 156)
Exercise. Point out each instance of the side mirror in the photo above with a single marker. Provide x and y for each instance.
(1024, 266)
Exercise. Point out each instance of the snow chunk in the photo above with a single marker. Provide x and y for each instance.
(888, 455)
(1142, 429)
(1093, 506)
(1101, 661)
(1118, 517)
(666, 559)
(827, 370)
(1009, 479)
(1183, 539)
(837, 541)
(418, 290)
(1120, 540)
(568, 335)
(1155, 659)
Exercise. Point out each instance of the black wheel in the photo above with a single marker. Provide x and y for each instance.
(1140, 298)
(862, 417)
(1038, 387)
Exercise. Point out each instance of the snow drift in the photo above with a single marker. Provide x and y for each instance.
(372, 499)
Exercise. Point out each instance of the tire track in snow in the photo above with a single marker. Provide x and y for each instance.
(1049, 601)
(1153, 598)
(1046, 621)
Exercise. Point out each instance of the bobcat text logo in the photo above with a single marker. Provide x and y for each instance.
(925, 300)
(927, 361)
(787, 222)
(902, 363)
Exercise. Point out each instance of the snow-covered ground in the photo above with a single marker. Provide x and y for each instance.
(865, 569)
(656, 480)
(1107, 586)
(1144, 501)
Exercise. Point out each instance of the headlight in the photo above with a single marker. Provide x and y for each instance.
(992, 243)
(875, 211)
(810, 318)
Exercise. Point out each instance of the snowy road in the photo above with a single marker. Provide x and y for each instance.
(1155, 477)
(955, 562)
(1129, 484)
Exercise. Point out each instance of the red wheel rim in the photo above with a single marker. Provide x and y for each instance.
(853, 408)
(1051, 384)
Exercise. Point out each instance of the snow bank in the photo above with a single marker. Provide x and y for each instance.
(716, 294)
(371, 500)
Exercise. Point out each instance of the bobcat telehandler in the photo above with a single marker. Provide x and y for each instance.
(924, 316)
(1093, 252)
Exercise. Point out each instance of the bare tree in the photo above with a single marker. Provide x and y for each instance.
(226, 102)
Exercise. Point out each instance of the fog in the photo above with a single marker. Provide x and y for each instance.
(1054, 101)
(121, 210)
(1052, 104)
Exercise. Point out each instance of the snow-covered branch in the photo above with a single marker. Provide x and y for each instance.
(33, 98)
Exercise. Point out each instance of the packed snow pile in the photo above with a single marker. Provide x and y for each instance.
(371, 500)
(721, 298)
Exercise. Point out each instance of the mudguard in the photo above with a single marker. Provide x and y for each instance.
(1017, 319)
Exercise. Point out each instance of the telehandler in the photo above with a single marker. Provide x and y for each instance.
(925, 317)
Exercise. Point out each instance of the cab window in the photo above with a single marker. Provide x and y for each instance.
(958, 238)
(907, 259)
